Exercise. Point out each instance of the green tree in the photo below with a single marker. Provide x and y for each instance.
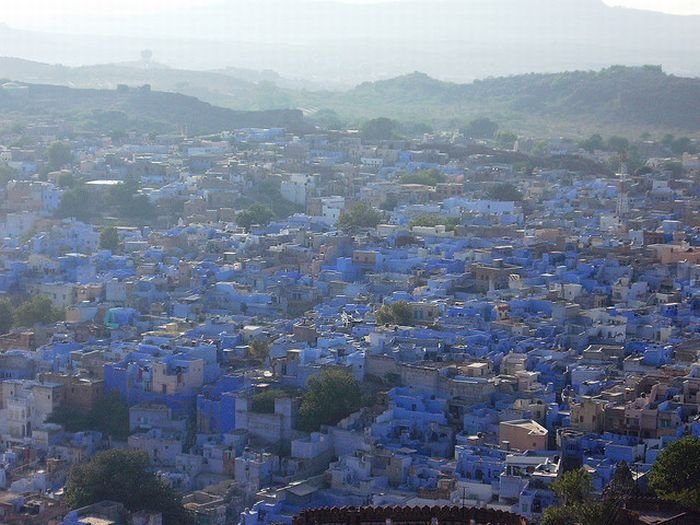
(124, 476)
(390, 203)
(574, 490)
(399, 313)
(359, 215)
(330, 397)
(66, 180)
(573, 487)
(506, 139)
(433, 220)
(430, 177)
(59, 155)
(37, 310)
(264, 402)
(381, 128)
(621, 485)
(138, 207)
(117, 135)
(78, 203)
(667, 140)
(5, 316)
(682, 145)
(327, 119)
(676, 473)
(259, 349)
(481, 128)
(6, 174)
(109, 239)
(592, 143)
(505, 192)
(255, 214)
(618, 144)
(129, 202)
(267, 194)
(110, 415)
(589, 513)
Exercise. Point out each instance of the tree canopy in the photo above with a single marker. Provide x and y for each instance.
(78, 203)
(37, 310)
(359, 215)
(622, 484)
(255, 214)
(505, 192)
(259, 349)
(399, 313)
(429, 177)
(129, 202)
(124, 476)
(109, 239)
(59, 155)
(65, 180)
(330, 397)
(328, 119)
(481, 128)
(433, 220)
(110, 416)
(381, 128)
(5, 316)
(390, 203)
(6, 174)
(682, 145)
(676, 473)
(618, 144)
(264, 402)
(592, 143)
(574, 489)
(506, 139)
(574, 486)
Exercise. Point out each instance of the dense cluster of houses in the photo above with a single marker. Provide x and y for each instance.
(544, 333)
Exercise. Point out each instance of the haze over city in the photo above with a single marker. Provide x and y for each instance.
(350, 262)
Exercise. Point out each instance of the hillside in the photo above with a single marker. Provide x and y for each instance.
(616, 99)
(113, 110)
(233, 89)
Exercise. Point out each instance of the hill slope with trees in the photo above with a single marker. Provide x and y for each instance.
(618, 100)
(134, 108)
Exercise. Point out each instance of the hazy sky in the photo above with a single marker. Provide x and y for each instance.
(43, 13)
(682, 7)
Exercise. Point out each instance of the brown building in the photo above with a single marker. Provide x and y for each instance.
(80, 393)
(30, 509)
(495, 276)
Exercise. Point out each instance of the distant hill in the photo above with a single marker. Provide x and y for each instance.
(140, 109)
(617, 99)
(235, 89)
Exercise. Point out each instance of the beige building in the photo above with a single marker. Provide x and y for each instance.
(522, 435)
(588, 415)
(174, 379)
(26, 404)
